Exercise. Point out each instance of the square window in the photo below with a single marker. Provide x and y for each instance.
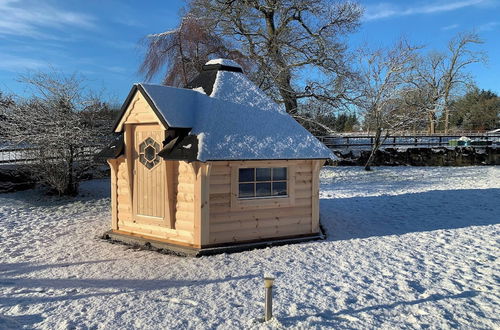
(246, 190)
(247, 175)
(279, 189)
(279, 173)
(263, 174)
(263, 189)
(262, 182)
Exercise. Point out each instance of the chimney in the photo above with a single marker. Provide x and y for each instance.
(207, 76)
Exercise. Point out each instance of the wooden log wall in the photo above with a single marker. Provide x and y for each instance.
(184, 214)
(230, 225)
(179, 225)
(182, 233)
(124, 197)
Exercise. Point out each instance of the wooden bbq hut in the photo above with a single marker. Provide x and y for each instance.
(212, 167)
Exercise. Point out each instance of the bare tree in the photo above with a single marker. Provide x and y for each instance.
(183, 51)
(440, 74)
(6, 102)
(383, 76)
(310, 115)
(414, 101)
(61, 121)
(286, 38)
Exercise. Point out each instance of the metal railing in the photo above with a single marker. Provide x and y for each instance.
(350, 140)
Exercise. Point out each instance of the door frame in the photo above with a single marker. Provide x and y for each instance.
(140, 218)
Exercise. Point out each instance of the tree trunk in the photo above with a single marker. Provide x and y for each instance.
(71, 185)
(432, 124)
(288, 96)
(284, 76)
(446, 111)
(375, 146)
(446, 119)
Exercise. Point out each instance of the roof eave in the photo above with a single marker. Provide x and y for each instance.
(129, 98)
(263, 159)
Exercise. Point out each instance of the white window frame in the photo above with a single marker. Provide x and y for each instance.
(271, 181)
(263, 202)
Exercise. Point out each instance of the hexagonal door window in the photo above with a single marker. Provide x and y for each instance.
(148, 153)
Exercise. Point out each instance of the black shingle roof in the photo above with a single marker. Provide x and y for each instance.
(113, 150)
(207, 76)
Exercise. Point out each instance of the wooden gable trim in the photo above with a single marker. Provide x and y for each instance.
(130, 101)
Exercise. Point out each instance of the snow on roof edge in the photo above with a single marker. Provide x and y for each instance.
(233, 131)
(224, 61)
(220, 139)
(167, 98)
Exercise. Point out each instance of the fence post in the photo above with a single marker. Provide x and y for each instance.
(268, 306)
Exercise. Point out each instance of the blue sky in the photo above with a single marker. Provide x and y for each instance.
(100, 39)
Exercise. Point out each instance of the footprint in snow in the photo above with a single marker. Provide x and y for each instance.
(351, 300)
(183, 301)
(415, 285)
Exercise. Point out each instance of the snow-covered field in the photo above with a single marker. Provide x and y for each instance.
(407, 248)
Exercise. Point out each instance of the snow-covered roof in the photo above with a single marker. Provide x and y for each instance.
(236, 87)
(232, 131)
(224, 61)
(236, 121)
(176, 105)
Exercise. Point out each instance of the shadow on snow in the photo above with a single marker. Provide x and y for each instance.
(361, 217)
(330, 318)
(117, 286)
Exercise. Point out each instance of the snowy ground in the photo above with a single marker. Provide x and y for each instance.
(407, 247)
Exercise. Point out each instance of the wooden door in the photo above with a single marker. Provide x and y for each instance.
(149, 175)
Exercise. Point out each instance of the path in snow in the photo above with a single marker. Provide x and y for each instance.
(406, 247)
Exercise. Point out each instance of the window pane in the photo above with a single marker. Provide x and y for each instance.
(263, 174)
(149, 153)
(279, 173)
(247, 174)
(246, 190)
(263, 189)
(279, 188)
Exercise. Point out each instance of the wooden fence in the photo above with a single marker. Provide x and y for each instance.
(27, 155)
(363, 141)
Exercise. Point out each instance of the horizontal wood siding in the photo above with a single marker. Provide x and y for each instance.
(230, 225)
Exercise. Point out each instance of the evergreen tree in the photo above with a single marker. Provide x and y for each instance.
(476, 110)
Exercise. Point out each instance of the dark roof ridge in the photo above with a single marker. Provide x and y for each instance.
(221, 67)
